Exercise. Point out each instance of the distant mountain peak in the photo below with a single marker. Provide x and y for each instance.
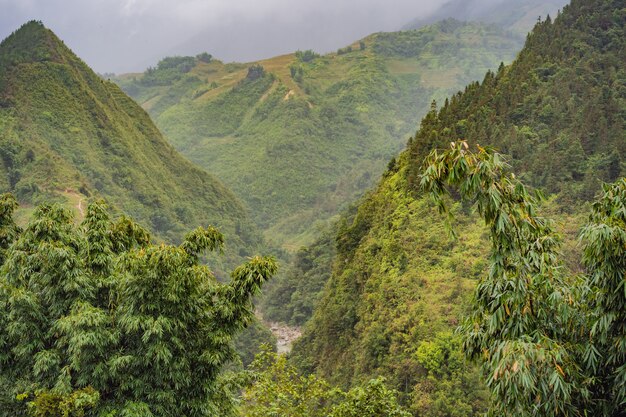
(66, 134)
(32, 42)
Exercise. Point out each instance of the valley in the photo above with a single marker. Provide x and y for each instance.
(307, 134)
(426, 222)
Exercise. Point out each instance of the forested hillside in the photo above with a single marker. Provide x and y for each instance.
(299, 136)
(66, 136)
(399, 284)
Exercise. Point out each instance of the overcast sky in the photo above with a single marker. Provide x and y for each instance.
(130, 35)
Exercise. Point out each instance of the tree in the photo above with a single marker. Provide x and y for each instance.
(449, 382)
(204, 57)
(99, 318)
(345, 50)
(275, 388)
(297, 73)
(550, 345)
(604, 239)
(306, 56)
(372, 400)
(255, 72)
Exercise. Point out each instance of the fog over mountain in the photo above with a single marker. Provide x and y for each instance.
(518, 15)
(129, 35)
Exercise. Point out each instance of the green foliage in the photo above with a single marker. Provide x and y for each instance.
(397, 283)
(549, 344)
(446, 40)
(276, 389)
(292, 296)
(297, 73)
(218, 118)
(604, 239)
(555, 111)
(171, 69)
(204, 57)
(311, 135)
(396, 290)
(8, 229)
(522, 316)
(255, 72)
(345, 50)
(98, 318)
(67, 136)
(51, 404)
(306, 56)
(447, 385)
(249, 342)
(372, 400)
(440, 355)
(28, 46)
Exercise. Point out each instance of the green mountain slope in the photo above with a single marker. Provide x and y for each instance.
(304, 135)
(399, 284)
(67, 135)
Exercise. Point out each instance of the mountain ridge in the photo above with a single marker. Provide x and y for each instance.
(309, 134)
(67, 130)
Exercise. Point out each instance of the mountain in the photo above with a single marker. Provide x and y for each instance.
(67, 135)
(518, 16)
(299, 136)
(399, 284)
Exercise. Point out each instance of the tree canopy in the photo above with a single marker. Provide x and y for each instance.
(275, 388)
(99, 318)
(550, 344)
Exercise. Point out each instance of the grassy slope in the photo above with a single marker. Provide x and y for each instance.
(67, 135)
(298, 151)
(397, 281)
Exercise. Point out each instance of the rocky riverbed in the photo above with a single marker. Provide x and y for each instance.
(285, 334)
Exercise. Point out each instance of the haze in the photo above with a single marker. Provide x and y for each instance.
(130, 35)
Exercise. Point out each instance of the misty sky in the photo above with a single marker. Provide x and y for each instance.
(130, 35)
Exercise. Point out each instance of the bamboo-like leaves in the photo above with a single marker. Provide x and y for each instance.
(98, 318)
(519, 326)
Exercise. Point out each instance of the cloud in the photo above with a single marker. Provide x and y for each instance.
(129, 35)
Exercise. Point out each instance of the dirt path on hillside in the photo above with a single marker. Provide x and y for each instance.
(80, 208)
(77, 201)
